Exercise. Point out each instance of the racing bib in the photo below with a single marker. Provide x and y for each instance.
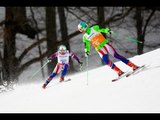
(96, 38)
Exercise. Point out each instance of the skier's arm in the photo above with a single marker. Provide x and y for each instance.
(102, 30)
(74, 56)
(53, 56)
(87, 45)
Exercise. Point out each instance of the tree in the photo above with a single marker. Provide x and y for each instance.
(64, 32)
(141, 26)
(15, 22)
(37, 37)
(51, 34)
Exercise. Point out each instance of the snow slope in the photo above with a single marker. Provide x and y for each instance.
(136, 94)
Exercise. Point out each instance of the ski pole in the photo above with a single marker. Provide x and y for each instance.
(80, 68)
(134, 40)
(128, 38)
(87, 68)
(40, 69)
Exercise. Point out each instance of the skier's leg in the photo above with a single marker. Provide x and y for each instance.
(64, 72)
(111, 64)
(52, 75)
(113, 52)
(103, 54)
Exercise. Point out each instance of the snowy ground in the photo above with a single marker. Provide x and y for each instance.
(136, 94)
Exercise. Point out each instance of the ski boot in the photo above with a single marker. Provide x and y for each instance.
(133, 66)
(119, 72)
(44, 85)
(61, 79)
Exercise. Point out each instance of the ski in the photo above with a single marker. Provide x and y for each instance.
(124, 75)
(66, 80)
(69, 79)
(136, 71)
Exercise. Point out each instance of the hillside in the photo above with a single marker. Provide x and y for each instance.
(139, 93)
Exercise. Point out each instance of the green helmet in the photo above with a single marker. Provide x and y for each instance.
(82, 26)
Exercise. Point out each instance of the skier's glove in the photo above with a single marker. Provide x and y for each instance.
(86, 54)
(49, 60)
(111, 32)
(80, 64)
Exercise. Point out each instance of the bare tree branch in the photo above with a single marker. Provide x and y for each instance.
(29, 48)
(86, 13)
(76, 15)
(39, 47)
(118, 16)
(2, 22)
(147, 21)
(34, 60)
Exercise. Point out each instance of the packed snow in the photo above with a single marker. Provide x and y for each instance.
(139, 93)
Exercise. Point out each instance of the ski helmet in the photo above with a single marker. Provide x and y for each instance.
(82, 26)
(62, 49)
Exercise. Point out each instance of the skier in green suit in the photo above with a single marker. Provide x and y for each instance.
(93, 35)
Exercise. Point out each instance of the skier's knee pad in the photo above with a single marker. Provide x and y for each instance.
(123, 59)
(105, 59)
(65, 70)
(52, 75)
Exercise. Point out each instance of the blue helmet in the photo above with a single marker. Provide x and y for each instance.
(82, 26)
